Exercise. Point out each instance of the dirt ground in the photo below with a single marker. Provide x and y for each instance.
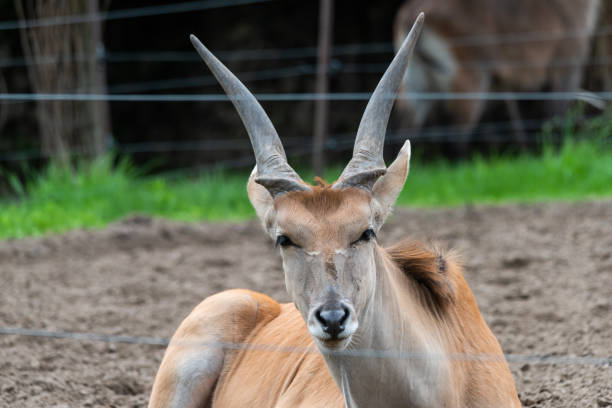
(542, 275)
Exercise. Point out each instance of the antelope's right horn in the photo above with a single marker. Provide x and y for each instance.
(367, 163)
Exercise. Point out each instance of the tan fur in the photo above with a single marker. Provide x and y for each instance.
(367, 327)
(277, 364)
(311, 217)
(414, 334)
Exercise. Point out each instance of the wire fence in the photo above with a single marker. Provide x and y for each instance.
(198, 81)
(490, 132)
(132, 92)
(465, 40)
(311, 96)
(497, 131)
(368, 353)
(279, 54)
(127, 13)
(336, 67)
(228, 56)
(296, 147)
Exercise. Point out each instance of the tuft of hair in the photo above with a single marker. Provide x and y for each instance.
(319, 182)
(321, 199)
(324, 200)
(428, 266)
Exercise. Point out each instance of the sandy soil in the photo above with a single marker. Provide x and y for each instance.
(542, 275)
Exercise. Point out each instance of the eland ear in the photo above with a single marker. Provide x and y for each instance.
(261, 200)
(388, 187)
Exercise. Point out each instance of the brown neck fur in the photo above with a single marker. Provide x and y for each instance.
(429, 268)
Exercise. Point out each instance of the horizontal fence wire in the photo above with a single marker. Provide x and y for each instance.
(228, 56)
(270, 54)
(486, 132)
(334, 142)
(466, 40)
(546, 359)
(120, 14)
(284, 54)
(525, 37)
(205, 80)
(504, 133)
(336, 67)
(294, 97)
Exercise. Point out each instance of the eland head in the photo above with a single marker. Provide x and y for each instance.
(326, 234)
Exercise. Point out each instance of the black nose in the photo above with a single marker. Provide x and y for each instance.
(332, 316)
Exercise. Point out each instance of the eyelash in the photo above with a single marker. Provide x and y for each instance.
(284, 241)
(366, 236)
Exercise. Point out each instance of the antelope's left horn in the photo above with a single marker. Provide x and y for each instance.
(273, 171)
(367, 163)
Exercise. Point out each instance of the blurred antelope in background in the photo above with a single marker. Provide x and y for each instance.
(494, 46)
(602, 49)
(392, 327)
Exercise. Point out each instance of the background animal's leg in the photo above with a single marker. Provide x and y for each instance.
(562, 83)
(202, 345)
(468, 112)
(569, 78)
(516, 121)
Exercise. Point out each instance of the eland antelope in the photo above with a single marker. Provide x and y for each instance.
(482, 46)
(368, 326)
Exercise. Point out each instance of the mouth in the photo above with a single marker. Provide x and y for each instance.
(333, 344)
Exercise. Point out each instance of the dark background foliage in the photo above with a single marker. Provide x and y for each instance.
(280, 25)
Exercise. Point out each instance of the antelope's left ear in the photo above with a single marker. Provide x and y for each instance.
(388, 187)
(261, 200)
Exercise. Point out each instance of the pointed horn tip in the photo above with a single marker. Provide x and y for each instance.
(414, 34)
(418, 24)
(197, 44)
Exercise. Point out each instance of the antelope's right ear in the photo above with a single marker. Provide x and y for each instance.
(261, 200)
(388, 187)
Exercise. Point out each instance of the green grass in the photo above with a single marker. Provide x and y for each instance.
(578, 171)
(98, 193)
(94, 195)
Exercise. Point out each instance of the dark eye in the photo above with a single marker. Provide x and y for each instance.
(366, 236)
(284, 241)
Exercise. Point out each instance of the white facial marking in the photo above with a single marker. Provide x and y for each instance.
(339, 261)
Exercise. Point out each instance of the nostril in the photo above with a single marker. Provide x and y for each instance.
(332, 318)
(320, 318)
(346, 315)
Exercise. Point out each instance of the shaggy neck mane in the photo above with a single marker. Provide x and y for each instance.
(429, 268)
